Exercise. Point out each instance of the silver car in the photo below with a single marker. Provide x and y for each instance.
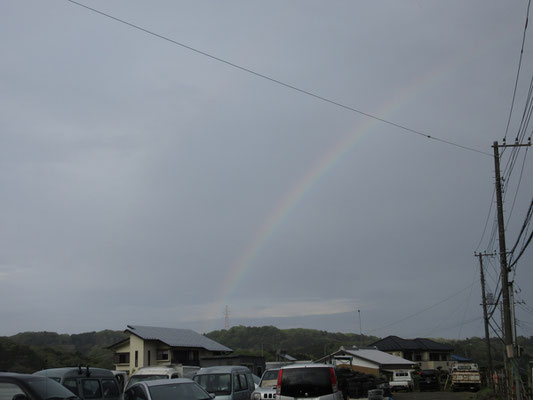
(267, 386)
(167, 389)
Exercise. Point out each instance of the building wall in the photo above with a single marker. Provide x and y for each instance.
(151, 347)
(125, 348)
(136, 348)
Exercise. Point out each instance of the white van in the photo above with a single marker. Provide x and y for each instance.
(169, 372)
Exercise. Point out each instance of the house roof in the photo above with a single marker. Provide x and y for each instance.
(376, 356)
(391, 343)
(379, 357)
(176, 337)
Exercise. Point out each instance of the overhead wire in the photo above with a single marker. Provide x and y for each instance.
(467, 304)
(279, 82)
(525, 225)
(421, 311)
(487, 220)
(519, 66)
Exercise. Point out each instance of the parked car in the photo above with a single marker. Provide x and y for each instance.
(316, 381)
(86, 383)
(226, 382)
(167, 389)
(32, 387)
(429, 380)
(170, 372)
(122, 378)
(401, 380)
(267, 385)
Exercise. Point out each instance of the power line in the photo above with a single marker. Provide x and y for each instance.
(281, 83)
(518, 72)
(467, 304)
(423, 310)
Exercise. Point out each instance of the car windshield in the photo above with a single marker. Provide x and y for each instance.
(220, 384)
(139, 378)
(178, 391)
(270, 378)
(49, 389)
(306, 382)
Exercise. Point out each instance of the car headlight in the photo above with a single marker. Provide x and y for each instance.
(256, 396)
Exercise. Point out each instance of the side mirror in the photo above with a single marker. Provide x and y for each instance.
(20, 396)
(212, 395)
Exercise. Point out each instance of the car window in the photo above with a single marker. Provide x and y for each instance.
(251, 381)
(135, 393)
(110, 388)
(237, 386)
(271, 374)
(178, 391)
(91, 389)
(244, 382)
(71, 385)
(8, 390)
(139, 378)
(220, 384)
(306, 382)
(48, 388)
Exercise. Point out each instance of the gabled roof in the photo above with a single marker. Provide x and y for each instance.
(392, 343)
(379, 357)
(176, 337)
(376, 356)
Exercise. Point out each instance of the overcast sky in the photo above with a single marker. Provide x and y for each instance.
(144, 183)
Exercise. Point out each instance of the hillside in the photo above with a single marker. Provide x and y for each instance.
(303, 344)
(31, 351)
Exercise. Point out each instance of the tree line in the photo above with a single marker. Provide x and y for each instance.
(31, 351)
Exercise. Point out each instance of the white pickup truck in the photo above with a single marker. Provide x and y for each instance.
(465, 376)
(401, 380)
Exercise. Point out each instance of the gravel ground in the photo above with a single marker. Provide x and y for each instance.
(434, 396)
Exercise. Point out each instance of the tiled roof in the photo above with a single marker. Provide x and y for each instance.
(392, 343)
(176, 337)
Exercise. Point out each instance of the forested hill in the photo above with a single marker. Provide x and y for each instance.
(303, 344)
(31, 351)
(83, 343)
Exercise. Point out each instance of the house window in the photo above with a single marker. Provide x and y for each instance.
(149, 357)
(162, 354)
(136, 358)
(122, 358)
(434, 357)
(418, 357)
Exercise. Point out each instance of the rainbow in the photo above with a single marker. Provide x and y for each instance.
(323, 165)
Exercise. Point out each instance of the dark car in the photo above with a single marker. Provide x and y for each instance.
(85, 383)
(32, 387)
(299, 381)
(429, 380)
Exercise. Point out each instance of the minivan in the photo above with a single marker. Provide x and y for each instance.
(86, 383)
(226, 382)
(317, 381)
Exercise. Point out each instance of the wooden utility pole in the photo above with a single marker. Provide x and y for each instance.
(485, 316)
(510, 353)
